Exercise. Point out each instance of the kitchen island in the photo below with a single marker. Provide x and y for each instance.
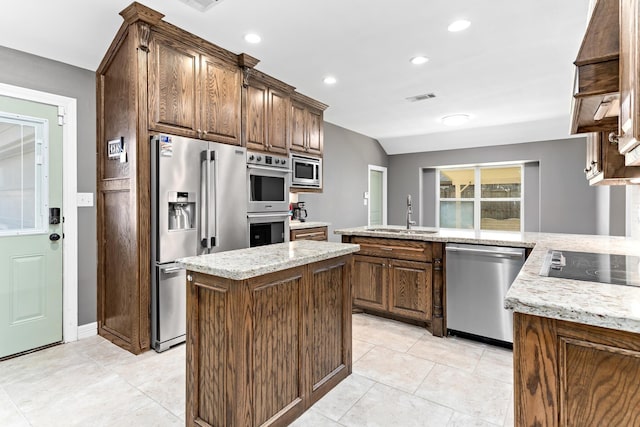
(576, 342)
(268, 331)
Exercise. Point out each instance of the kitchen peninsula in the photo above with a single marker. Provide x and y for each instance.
(268, 331)
(576, 342)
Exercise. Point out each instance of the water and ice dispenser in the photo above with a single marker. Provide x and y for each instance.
(181, 210)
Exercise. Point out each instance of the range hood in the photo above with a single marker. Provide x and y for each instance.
(596, 98)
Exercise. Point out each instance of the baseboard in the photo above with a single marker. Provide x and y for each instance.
(88, 330)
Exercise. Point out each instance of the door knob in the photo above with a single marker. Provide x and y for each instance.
(54, 237)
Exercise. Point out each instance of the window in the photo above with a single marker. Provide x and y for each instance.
(23, 177)
(481, 197)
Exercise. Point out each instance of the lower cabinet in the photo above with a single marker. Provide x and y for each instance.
(402, 279)
(314, 233)
(570, 374)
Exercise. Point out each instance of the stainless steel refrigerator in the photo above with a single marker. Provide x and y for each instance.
(198, 199)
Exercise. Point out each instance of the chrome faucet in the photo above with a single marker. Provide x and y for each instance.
(409, 222)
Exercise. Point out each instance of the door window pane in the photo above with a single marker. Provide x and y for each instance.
(23, 178)
(456, 214)
(504, 216)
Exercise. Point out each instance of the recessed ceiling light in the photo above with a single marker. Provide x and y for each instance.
(418, 60)
(455, 119)
(459, 25)
(252, 38)
(329, 80)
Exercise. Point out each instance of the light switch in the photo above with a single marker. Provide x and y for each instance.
(84, 199)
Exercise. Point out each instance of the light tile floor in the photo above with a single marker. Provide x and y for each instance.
(402, 376)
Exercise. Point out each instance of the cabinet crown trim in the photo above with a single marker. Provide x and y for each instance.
(139, 12)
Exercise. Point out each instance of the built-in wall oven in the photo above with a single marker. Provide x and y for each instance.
(268, 180)
(267, 228)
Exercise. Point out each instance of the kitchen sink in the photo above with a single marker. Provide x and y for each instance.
(402, 230)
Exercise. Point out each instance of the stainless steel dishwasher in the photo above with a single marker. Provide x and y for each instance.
(478, 278)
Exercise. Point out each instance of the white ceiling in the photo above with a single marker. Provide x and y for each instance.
(511, 70)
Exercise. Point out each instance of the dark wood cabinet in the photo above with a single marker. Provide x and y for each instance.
(267, 114)
(220, 95)
(306, 125)
(173, 86)
(313, 233)
(192, 94)
(370, 282)
(410, 289)
(605, 165)
(400, 278)
(156, 77)
(570, 374)
(261, 351)
(629, 120)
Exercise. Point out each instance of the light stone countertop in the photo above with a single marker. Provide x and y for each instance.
(252, 262)
(591, 303)
(300, 225)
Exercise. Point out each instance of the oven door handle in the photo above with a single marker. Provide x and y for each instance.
(268, 215)
(268, 168)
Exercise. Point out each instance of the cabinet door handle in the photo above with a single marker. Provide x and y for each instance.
(593, 163)
(385, 248)
(587, 170)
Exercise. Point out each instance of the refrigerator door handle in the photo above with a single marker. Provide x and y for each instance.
(212, 205)
(204, 202)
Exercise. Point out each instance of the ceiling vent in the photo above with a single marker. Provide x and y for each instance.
(202, 5)
(421, 97)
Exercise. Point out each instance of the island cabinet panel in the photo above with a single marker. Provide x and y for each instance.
(277, 334)
(330, 325)
(570, 374)
(261, 351)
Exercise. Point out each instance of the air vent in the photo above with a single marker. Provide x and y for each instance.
(202, 5)
(421, 97)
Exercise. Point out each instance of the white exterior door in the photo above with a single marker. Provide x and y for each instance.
(31, 242)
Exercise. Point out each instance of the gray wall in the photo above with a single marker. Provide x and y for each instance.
(34, 72)
(567, 203)
(347, 155)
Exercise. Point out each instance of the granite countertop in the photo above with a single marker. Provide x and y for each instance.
(301, 225)
(591, 303)
(252, 262)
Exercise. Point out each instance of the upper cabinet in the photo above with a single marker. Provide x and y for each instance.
(605, 165)
(267, 118)
(606, 87)
(596, 88)
(306, 125)
(629, 123)
(191, 93)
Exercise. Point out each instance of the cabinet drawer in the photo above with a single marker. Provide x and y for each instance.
(315, 233)
(394, 248)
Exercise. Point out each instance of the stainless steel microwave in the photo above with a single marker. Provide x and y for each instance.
(306, 172)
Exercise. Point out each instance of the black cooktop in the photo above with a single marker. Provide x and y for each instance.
(592, 267)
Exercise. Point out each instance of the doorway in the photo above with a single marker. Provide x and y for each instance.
(38, 219)
(377, 212)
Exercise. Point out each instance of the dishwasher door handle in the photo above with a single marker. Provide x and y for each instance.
(497, 254)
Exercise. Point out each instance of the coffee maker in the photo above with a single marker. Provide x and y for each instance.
(298, 212)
